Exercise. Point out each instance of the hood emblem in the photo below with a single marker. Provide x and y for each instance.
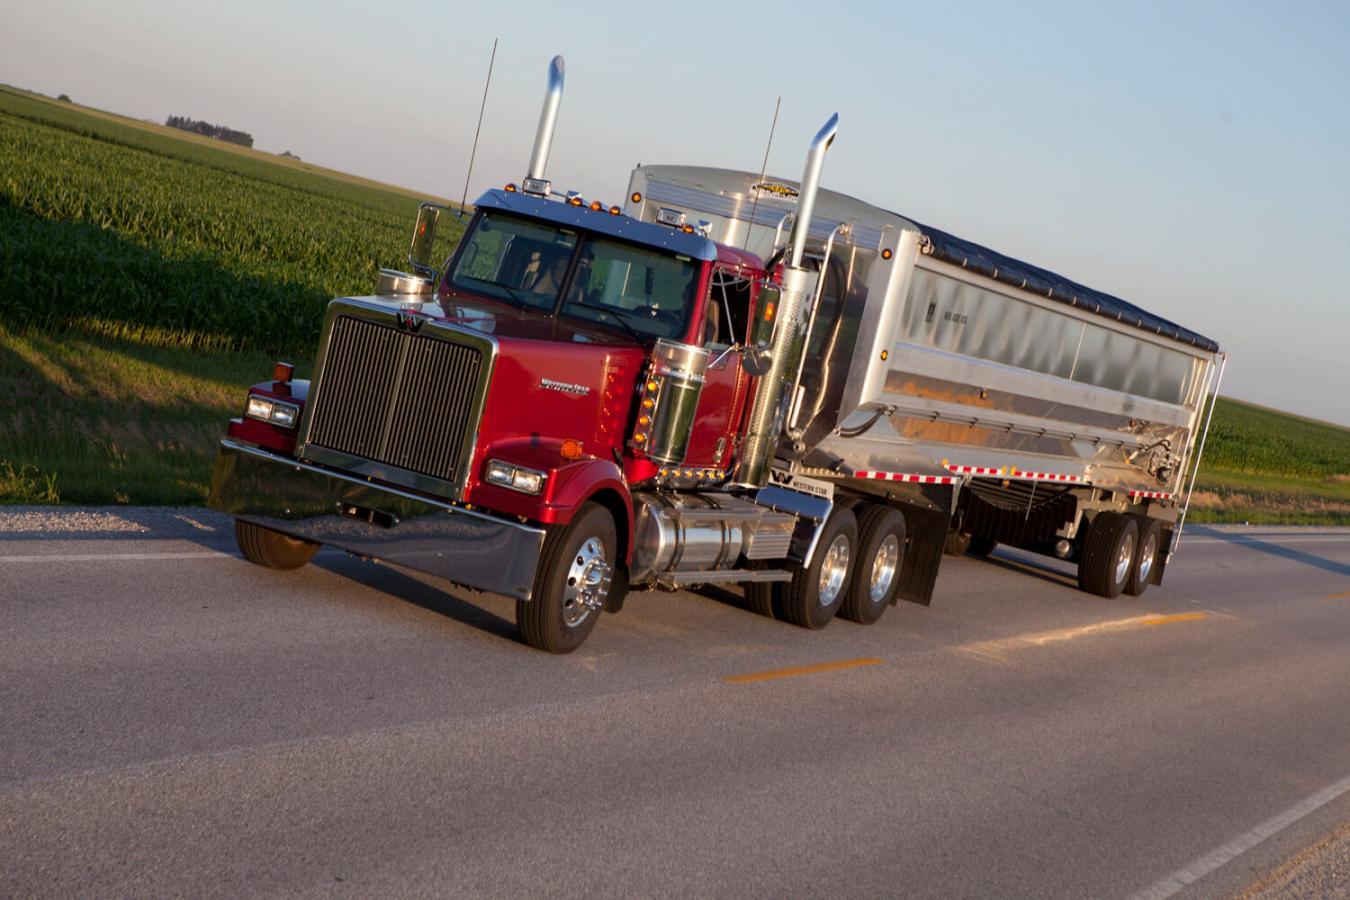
(410, 319)
(566, 387)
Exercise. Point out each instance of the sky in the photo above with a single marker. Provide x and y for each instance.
(1193, 158)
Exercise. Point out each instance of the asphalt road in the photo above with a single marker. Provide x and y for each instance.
(176, 721)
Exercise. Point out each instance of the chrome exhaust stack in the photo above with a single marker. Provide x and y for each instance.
(543, 137)
(787, 343)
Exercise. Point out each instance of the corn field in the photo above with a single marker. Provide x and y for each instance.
(115, 230)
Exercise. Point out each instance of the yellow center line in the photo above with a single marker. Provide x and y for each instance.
(794, 671)
(1040, 639)
(1345, 596)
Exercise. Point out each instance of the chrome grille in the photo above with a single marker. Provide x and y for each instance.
(395, 398)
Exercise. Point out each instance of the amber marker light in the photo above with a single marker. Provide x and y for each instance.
(596, 206)
(688, 229)
(636, 198)
(614, 210)
(575, 201)
(282, 372)
(652, 385)
(886, 254)
(885, 354)
(571, 449)
(510, 188)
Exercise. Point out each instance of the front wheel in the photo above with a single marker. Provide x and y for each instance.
(265, 547)
(817, 590)
(572, 583)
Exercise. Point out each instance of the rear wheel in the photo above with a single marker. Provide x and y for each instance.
(876, 576)
(1150, 539)
(817, 590)
(1108, 554)
(572, 583)
(265, 547)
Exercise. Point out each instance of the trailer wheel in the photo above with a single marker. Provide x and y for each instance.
(1108, 554)
(981, 546)
(876, 577)
(816, 591)
(1150, 538)
(958, 542)
(265, 547)
(572, 582)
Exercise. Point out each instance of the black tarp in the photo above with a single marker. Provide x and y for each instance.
(983, 261)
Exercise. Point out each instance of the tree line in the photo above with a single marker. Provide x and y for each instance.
(243, 138)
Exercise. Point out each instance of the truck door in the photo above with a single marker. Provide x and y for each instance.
(721, 407)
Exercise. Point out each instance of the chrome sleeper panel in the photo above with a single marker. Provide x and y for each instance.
(308, 502)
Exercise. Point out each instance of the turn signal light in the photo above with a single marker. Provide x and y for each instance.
(571, 449)
(282, 371)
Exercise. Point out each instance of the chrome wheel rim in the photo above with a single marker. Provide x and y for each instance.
(1124, 556)
(587, 582)
(883, 568)
(1146, 554)
(833, 569)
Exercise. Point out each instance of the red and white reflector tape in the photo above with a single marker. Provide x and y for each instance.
(1014, 472)
(1150, 495)
(974, 470)
(902, 476)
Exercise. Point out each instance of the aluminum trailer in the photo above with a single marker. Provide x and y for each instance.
(1039, 404)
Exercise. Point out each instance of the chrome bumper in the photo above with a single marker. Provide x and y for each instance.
(469, 548)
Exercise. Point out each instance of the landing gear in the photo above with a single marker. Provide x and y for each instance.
(818, 590)
(572, 583)
(265, 547)
(1109, 554)
(1150, 539)
(876, 577)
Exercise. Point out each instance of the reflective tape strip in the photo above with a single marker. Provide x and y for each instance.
(974, 470)
(1013, 472)
(902, 476)
(1150, 495)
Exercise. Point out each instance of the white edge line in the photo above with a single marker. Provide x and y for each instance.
(113, 557)
(1220, 856)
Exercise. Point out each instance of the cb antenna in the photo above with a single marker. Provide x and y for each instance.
(474, 152)
(762, 169)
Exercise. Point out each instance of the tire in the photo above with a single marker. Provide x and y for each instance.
(759, 597)
(1146, 556)
(981, 546)
(806, 601)
(1108, 554)
(572, 582)
(876, 575)
(272, 549)
(958, 542)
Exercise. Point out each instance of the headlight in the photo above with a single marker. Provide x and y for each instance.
(527, 481)
(276, 412)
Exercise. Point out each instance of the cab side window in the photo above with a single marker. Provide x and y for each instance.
(727, 310)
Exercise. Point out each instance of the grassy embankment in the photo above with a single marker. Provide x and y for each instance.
(147, 276)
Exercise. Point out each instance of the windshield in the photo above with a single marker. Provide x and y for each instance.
(515, 260)
(646, 291)
(642, 292)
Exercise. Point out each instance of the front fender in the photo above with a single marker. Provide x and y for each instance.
(570, 484)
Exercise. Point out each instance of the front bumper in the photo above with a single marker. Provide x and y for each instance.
(305, 501)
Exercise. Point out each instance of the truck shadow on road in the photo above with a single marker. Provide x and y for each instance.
(401, 586)
(1281, 550)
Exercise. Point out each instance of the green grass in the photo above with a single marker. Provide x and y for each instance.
(148, 276)
(1261, 465)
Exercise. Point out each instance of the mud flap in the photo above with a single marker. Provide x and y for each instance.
(927, 532)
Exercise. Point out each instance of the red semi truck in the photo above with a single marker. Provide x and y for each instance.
(587, 398)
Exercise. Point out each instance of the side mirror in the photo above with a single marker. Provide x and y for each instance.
(759, 343)
(424, 236)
